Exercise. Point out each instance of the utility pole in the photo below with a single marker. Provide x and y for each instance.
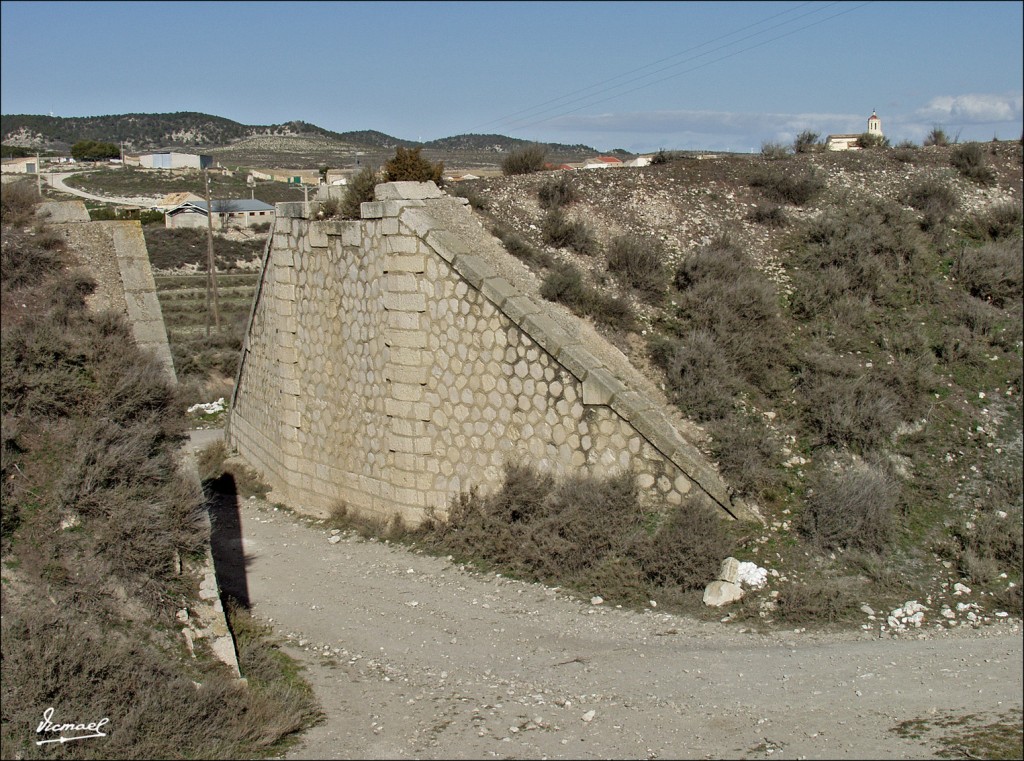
(39, 176)
(211, 269)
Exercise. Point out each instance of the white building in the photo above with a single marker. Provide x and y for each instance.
(234, 212)
(849, 142)
(171, 160)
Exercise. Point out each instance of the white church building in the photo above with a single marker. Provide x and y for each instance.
(849, 142)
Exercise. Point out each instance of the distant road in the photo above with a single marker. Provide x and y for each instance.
(56, 181)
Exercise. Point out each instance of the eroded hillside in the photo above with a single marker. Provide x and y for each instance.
(845, 327)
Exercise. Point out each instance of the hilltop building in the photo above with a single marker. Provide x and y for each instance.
(849, 142)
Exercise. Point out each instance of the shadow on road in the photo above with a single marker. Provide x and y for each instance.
(226, 539)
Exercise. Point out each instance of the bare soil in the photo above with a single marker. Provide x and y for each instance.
(414, 656)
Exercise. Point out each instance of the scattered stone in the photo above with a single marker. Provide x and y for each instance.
(961, 589)
(596, 600)
(334, 539)
(729, 570)
(589, 716)
(751, 575)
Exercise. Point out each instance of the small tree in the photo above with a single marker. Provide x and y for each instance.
(869, 140)
(525, 161)
(91, 150)
(359, 190)
(409, 166)
(806, 142)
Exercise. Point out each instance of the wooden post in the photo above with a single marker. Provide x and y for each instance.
(211, 268)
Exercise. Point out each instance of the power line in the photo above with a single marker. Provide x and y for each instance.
(562, 99)
(517, 125)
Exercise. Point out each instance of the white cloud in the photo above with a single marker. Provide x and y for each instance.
(972, 109)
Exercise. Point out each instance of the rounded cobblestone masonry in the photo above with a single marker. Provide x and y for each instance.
(376, 375)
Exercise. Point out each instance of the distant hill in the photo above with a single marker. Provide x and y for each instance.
(188, 129)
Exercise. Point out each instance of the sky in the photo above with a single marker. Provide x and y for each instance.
(640, 76)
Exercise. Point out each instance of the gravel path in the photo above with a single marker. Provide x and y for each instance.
(413, 657)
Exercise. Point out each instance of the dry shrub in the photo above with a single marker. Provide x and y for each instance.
(557, 192)
(701, 379)
(641, 263)
(796, 187)
(564, 284)
(360, 189)
(18, 202)
(876, 247)
(748, 455)
(969, 160)
(1001, 221)
(769, 216)
(721, 293)
(935, 199)
(526, 160)
(154, 707)
(560, 231)
(853, 508)
(585, 532)
(814, 601)
(686, 550)
(522, 250)
(843, 408)
(993, 272)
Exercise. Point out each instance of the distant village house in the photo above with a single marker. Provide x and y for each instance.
(849, 142)
(237, 212)
(26, 165)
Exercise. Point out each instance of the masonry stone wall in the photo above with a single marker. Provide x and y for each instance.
(389, 368)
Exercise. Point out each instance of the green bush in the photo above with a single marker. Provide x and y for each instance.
(360, 190)
(905, 152)
(556, 192)
(93, 150)
(640, 263)
(524, 161)
(969, 160)
(855, 508)
(560, 231)
(807, 142)
(409, 166)
(869, 141)
(936, 137)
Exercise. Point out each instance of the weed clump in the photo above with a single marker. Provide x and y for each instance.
(408, 165)
(935, 199)
(359, 190)
(564, 284)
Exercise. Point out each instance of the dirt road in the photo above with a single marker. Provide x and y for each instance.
(413, 657)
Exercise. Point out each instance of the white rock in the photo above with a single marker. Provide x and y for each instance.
(589, 716)
(729, 570)
(719, 593)
(596, 600)
(752, 575)
(961, 589)
(334, 539)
